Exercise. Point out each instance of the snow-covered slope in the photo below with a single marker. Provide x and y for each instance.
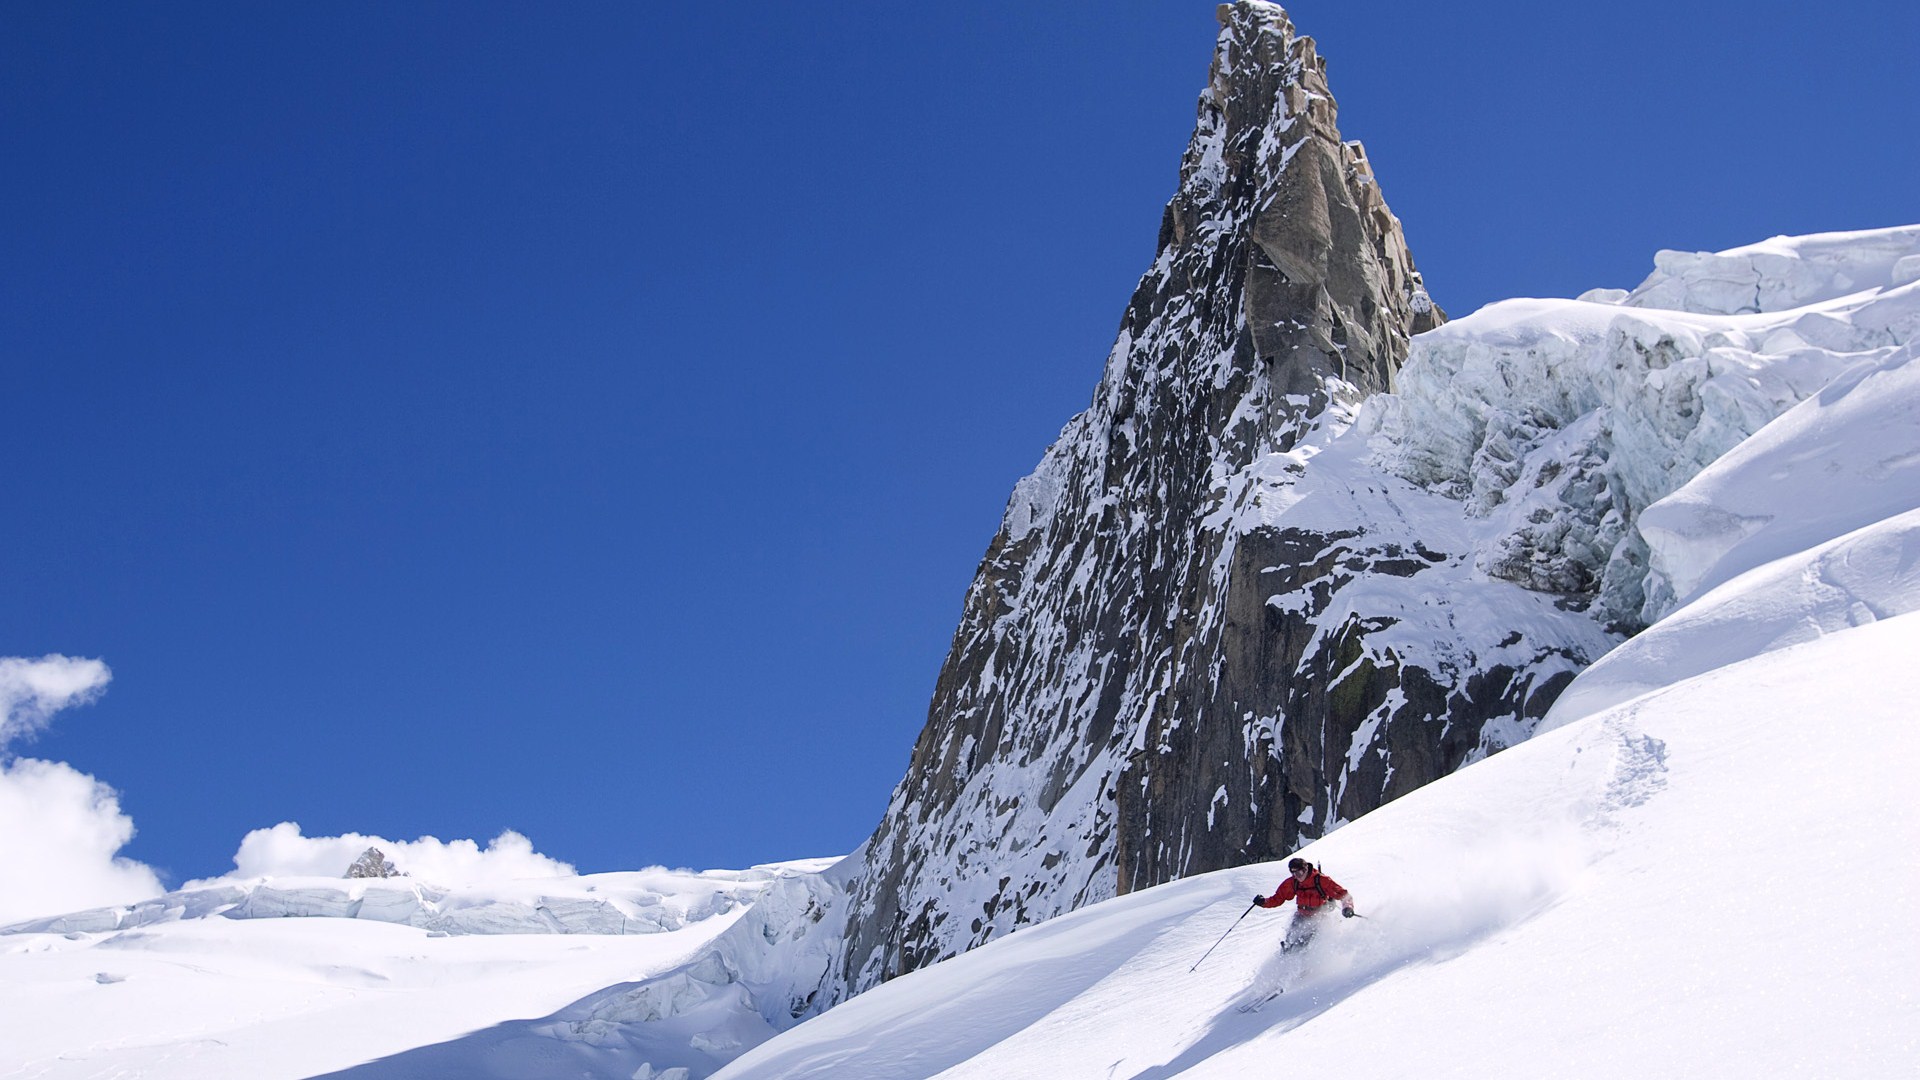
(740, 988)
(1715, 880)
(286, 998)
(295, 977)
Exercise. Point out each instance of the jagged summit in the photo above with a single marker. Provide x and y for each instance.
(1119, 610)
(1270, 193)
(373, 863)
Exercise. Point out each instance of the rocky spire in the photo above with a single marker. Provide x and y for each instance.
(373, 863)
(1123, 703)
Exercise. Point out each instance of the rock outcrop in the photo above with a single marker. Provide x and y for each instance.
(1162, 667)
(373, 863)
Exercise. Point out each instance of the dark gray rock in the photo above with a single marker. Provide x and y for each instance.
(1160, 670)
(373, 863)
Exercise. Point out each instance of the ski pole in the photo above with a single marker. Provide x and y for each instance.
(1223, 937)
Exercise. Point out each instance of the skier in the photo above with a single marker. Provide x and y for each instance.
(1310, 890)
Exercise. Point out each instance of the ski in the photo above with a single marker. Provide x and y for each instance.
(1255, 1006)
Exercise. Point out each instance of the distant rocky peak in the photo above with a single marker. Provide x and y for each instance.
(373, 863)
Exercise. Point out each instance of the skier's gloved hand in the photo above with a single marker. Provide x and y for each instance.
(1346, 913)
(1259, 901)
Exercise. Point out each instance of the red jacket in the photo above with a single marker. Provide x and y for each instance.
(1308, 896)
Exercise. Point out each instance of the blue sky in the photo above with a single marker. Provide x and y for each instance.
(450, 418)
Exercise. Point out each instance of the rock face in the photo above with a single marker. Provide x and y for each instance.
(1166, 664)
(373, 863)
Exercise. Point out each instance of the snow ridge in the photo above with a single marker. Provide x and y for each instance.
(634, 902)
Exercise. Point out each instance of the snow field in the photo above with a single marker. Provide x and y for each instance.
(291, 977)
(256, 999)
(1869, 574)
(1751, 918)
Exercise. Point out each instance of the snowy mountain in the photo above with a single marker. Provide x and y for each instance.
(1249, 596)
(1571, 635)
(1696, 867)
(1161, 669)
(1780, 483)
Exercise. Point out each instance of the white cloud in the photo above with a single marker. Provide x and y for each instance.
(31, 691)
(283, 852)
(60, 829)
